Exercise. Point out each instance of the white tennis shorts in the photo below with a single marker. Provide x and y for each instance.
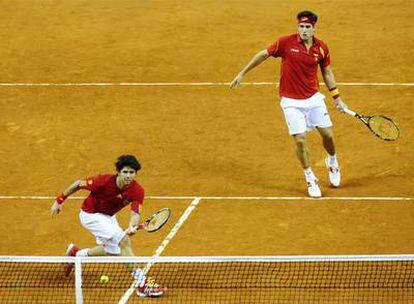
(305, 114)
(105, 228)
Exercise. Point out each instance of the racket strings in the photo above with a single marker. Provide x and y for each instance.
(158, 220)
(384, 127)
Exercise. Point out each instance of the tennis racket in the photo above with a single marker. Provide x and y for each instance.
(382, 126)
(156, 221)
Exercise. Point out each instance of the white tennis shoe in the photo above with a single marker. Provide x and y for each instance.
(150, 289)
(313, 188)
(334, 173)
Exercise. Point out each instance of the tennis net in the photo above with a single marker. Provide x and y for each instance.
(210, 279)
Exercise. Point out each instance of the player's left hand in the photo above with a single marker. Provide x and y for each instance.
(236, 81)
(55, 209)
(340, 105)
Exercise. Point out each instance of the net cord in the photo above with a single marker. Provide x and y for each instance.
(207, 259)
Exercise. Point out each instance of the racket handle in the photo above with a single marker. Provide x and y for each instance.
(350, 112)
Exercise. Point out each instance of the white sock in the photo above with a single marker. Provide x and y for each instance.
(82, 252)
(139, 276)
(333, 160)
(309, 174)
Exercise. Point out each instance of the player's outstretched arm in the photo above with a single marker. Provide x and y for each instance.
(61, 197)
(329, 78)
(254, 62)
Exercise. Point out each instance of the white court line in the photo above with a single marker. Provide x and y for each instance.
(184, 84)
(161, 248)
(266, 198)
(294, 198)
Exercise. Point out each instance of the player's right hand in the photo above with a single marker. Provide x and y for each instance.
(55, 209)
(131, 230)
(340, 105)
(236, 81)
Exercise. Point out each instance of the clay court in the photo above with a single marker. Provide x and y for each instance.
(149, 78)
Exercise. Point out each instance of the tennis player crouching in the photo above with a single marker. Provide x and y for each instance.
(302, 103)
(109, 193)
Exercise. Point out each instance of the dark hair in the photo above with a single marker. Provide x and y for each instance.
(127, 161)
(311, 15)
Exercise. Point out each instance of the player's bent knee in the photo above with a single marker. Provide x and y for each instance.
(300, 140)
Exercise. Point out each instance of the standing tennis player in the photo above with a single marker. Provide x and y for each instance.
(109, 193)
(302, 103)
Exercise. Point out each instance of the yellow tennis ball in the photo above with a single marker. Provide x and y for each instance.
(104, 279)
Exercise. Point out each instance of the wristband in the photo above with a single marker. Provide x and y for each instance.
(334, 92)
(61, 198)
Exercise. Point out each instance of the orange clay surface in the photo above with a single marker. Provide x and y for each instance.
(207, 141)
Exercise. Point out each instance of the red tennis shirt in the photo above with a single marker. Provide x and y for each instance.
(105, 196)
(298, 73)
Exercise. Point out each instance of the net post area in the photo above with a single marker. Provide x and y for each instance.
(210, 279)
